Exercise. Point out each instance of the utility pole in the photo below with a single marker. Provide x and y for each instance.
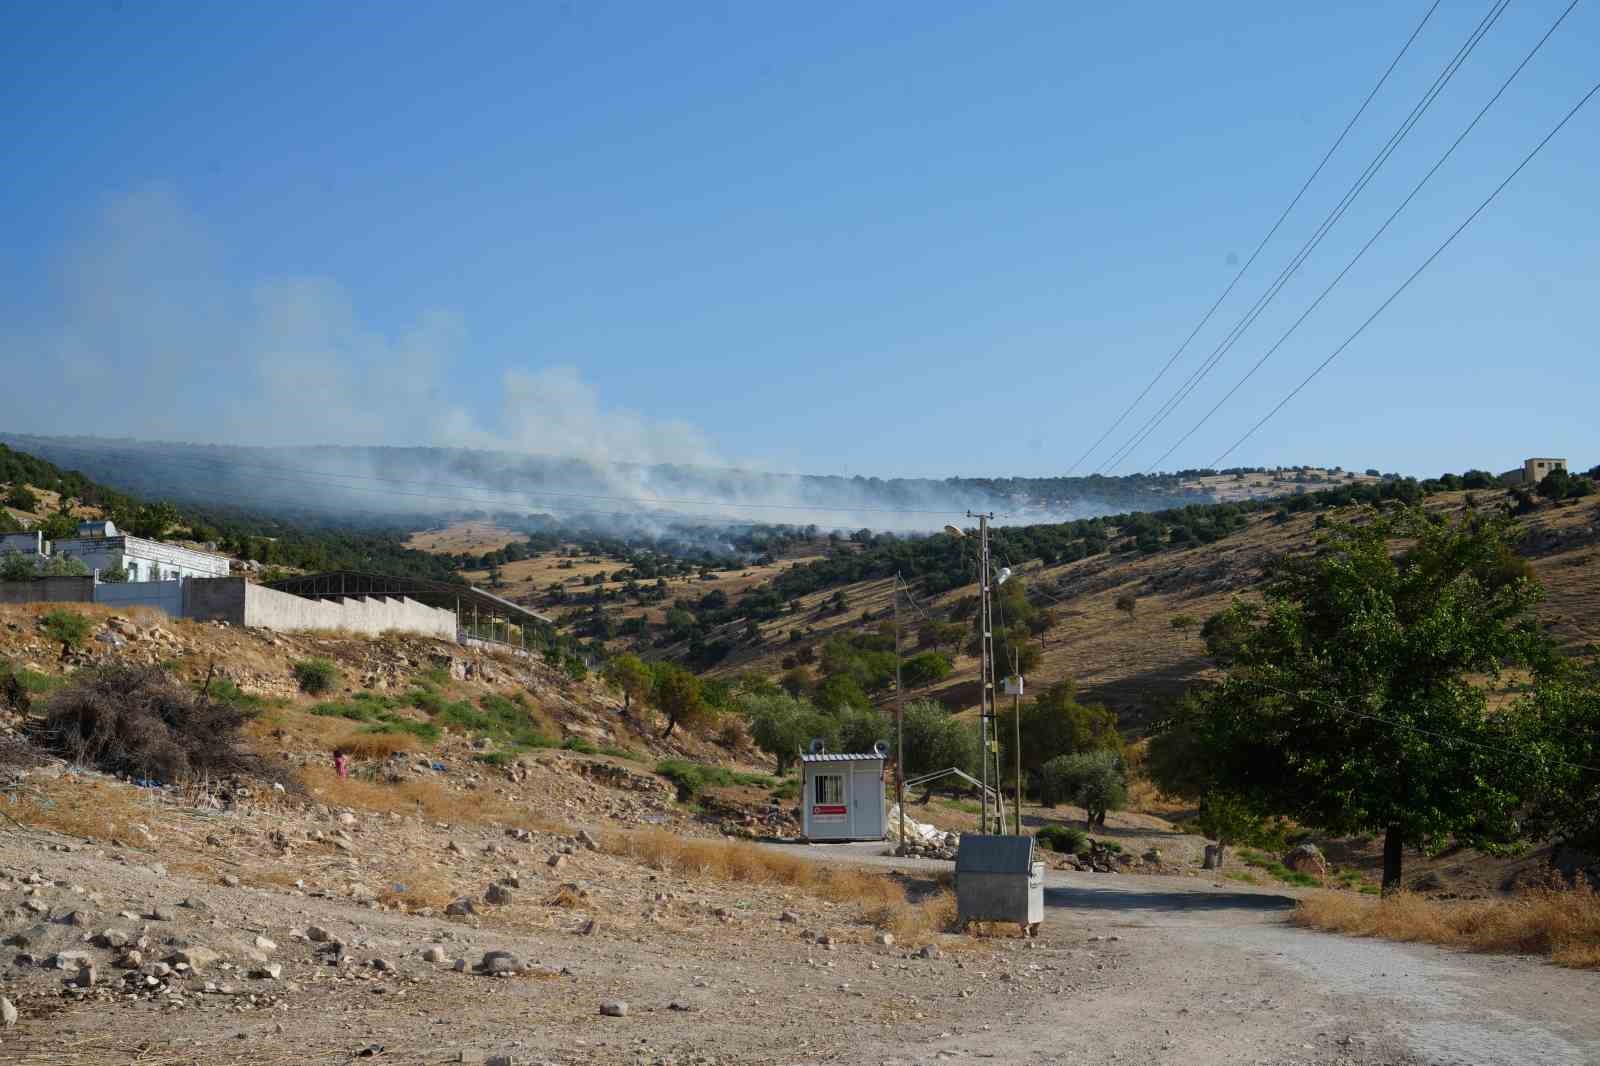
(986, 653)
(1016, 741)
(899, 720)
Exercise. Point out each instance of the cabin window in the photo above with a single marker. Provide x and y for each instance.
(830, 788)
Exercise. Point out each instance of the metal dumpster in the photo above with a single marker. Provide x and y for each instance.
(997, 880)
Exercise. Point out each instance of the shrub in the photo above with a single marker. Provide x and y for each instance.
(1063, 838)
(69, 627)
(144, 722)
(693, 778)
(22, 498)
(316, 676)
(580, 745)
(14, 566)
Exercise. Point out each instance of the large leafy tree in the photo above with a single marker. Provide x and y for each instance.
(1054, 723)
(1357, 695)
(678, 695)
(632, 676)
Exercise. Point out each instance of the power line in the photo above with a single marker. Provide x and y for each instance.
(1263, 243)
(1373, 239)
(1183, 392)
(1413, 276)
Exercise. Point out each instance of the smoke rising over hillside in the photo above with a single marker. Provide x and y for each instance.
(149, 343)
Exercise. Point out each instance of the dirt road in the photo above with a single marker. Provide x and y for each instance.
(1207, 974)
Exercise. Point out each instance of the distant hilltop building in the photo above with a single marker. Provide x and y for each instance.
(102, 548)
(1533, 471)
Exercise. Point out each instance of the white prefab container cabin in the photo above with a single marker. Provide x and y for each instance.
(842, 797)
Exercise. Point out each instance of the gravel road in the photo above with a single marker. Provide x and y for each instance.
(1206, 974)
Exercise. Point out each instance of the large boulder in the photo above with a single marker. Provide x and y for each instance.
(1306, 859)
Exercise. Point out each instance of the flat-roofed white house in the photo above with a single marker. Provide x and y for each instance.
(102, 548)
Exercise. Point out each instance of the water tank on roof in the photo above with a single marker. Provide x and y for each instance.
(97, 529)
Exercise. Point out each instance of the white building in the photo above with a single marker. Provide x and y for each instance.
(842, 796)
(101, 548)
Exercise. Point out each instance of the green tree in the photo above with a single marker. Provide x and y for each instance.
(23, 499)
(69, 627)
(14, 566)
(1054, 723)
(677, 694)
(783, 726)
(1094, 780)
(154, 519)
(1356, 699)
(839, 692)
(631, 677)
(862, 727)
(64, 566)
(1555, 485)
(934, 740)
(1127, 603)
(1561, 723)
(924, 669)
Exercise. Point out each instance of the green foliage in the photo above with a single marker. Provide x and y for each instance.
(1355, 700)
(1014, 649)
(677, 695)
(22, 498)
(1561, 723)
(1054, 723)
(1127, 603)
(1094, 780)
(68, 627)
(1182, 622)
(114, 575)
(693, 778)
(575, 668)
(63, 566)
(508, 722)
(936, 741)
(783, 726)
(1067, 839)
(579, 744)
(630, 676)
(925, 669)
(316, 676)
(840, 692)
(14, 566)
(224, 690)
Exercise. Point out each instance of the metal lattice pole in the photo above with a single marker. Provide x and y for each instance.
(986, 654)
(899, 719)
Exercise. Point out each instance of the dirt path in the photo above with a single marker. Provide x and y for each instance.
(1202, 974)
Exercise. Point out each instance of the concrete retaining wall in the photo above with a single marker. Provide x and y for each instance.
(50, 590)
(163, 595)
(233, 600)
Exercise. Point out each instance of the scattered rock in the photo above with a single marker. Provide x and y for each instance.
(789, 916)
(930, 951)
(1306, 859)
(500, 962)
(86, 976)
(461, 907)
(270, 972)
(587, 839)
(497, 894)
(614, 1008)
(230, 881)
(433, 953)
(556, 862)
(8, 1013)
(263, 944)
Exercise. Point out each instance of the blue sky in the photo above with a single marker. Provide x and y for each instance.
(892, 239)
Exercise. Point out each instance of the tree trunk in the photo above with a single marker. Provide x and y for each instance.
(627, 702)
(667, 732)
(1392, 843)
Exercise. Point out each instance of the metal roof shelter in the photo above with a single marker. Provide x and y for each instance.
(479, 614)
(841, 796)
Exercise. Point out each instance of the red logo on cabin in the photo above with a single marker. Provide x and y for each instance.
(830, 809)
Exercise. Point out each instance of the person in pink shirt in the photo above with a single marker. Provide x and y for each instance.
(341, 763)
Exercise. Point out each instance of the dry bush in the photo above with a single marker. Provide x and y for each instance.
(883, 900)
(376, 745)
(91, 809)
(144, 722)
(1561, 923)
(423, 888)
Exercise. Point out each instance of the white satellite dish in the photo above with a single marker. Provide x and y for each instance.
(880, 748)
(818, 746)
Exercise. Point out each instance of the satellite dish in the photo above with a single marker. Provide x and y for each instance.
(1001, 575)
(880, 748)
(817, 746)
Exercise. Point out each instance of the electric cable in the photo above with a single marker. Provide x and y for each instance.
(1284, 214)
(1371, 240)
(1182, 393)
(1412, 277)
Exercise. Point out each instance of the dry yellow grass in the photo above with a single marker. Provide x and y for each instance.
(883, 901)
(376, 745)
(425, 798)
(89, 809)
(1560, 923)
